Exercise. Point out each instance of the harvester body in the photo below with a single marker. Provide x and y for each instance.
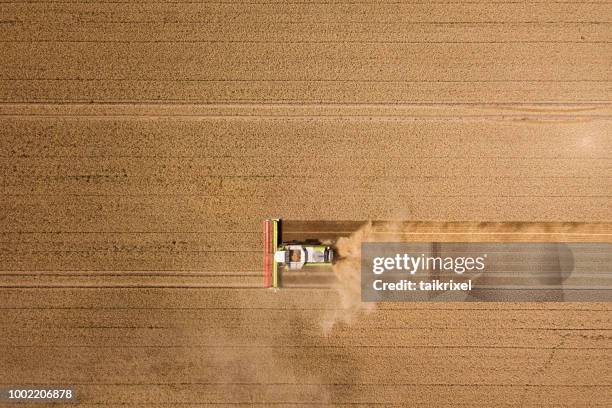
(296, 255)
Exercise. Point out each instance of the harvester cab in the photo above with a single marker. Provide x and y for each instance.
(290, 255)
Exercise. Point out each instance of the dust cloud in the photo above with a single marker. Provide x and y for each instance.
(347, 269)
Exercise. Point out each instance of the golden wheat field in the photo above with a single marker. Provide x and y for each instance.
(143, 142)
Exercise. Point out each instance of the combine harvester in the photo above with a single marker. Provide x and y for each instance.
(300, 253)
(291, 256)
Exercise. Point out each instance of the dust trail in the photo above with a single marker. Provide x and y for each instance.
(347, 268)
